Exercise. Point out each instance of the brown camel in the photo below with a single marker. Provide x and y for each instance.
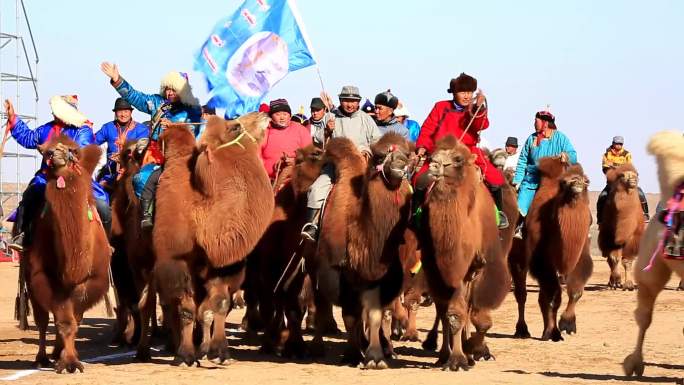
(622, 224)
(461, 252)
(556, 244)
(133, 257)
(510, 203)
(214, 202)
(275, 261)
(358, 265)
(668, 148)
(68, 262)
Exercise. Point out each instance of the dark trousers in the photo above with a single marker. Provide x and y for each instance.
(150, 189)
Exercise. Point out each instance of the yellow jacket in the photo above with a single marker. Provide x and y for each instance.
(611, 159)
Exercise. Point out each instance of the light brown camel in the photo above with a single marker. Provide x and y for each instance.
(358, 265)
(68, 262)
(556, 245)
(214, 202)
(622, 225)
(462, 254)
(668, 148)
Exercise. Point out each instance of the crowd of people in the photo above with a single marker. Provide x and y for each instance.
(464, 114)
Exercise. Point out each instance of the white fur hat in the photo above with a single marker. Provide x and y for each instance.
(65, 108)
(178, 81)
(401, 110)
(668, 148)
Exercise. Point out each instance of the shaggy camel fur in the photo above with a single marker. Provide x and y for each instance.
(68, 263)
(214, 202)
(358, 265)
(280, 251)
(622, 224)
(668, 148)
(556, 244)
(133, 258)
(462, 255)
(510, 204)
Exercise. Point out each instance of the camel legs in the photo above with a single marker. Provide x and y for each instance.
(455, 320)
(42, 319)
(411, 303)
(219, 295)
(549, 302)
(627, 265)
(519, 275)
(430, 342)
(475, 345)
(374, 356)
(575, 287)
(186, 310)
(147, 307)
(67, 326)
(651, 284)
(614, 259)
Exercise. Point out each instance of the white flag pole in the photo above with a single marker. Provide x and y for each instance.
(300, 22)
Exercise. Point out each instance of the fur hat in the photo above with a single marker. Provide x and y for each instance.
(462, 83)
(65, 108)
(178, 81)
(386, 99)
(401, 110)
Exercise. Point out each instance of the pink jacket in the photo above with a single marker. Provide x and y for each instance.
(282, 140)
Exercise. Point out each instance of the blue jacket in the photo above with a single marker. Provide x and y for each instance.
(527, 172)
(394, 126)
(109, 133)
(31, 139)
(414, 129)
(150, 103)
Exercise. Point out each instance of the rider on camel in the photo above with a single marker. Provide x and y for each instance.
(463, 119)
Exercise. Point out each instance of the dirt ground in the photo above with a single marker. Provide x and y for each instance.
(606, 335)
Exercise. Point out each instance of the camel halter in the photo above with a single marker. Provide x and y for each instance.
(380, 168)
(237, 140)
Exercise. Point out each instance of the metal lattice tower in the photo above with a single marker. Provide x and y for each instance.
(18, 83)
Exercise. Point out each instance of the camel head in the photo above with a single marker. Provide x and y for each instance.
(240, 131)
(62, 155)
(391, 157)
(573, 183)
(668, 148)
(624, 177)
(308, 164)
(497, 157)
(132, 152)
(451, 162)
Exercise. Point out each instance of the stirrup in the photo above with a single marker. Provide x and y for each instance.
(309, 232)
(503, 220)
(17, 243)
(518, 232)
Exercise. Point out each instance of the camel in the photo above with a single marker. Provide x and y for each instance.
(133, 257)
(653, 266)
(357, 265)
(214, 202)
(277, 280)
(68, 262)
(622, 224)
(462, 255)
(497, 157)
(555, 247)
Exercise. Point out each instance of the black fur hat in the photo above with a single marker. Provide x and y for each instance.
(462, 83)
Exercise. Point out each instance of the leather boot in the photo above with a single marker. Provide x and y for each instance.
(497, 194)
(310, 229)
(147, 208)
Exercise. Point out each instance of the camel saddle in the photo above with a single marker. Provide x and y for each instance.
(673, 218)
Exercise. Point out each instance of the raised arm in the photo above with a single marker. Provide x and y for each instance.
(147, 103)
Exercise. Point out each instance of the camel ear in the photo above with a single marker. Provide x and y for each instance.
(210, 155)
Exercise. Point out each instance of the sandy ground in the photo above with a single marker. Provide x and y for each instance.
(606, 334)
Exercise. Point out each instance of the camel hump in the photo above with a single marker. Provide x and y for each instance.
(551, 167)
(340, 149)
(614, 173)
(89, 156)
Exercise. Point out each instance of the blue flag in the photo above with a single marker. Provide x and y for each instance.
(249, 52)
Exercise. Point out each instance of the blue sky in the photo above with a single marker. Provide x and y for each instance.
(606, 67)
